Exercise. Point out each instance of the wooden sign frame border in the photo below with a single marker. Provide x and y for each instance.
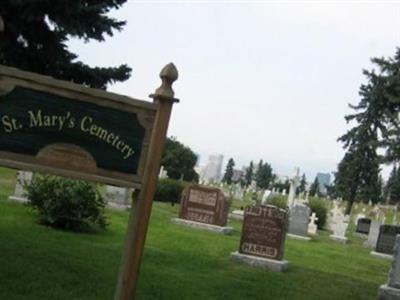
(144, 110)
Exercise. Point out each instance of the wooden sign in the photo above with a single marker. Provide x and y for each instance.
(66, 129)
(205, 205)
(71, 130)
(264, 232)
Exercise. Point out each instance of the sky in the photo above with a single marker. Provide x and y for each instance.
(257, 80)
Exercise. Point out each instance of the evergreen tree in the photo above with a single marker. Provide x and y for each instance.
(229, 171)
(249, 174)
(36, 34)
(314, 188)
(179, 161)
(393, 186)
(264, 176)
(357, 176)
(302, 185)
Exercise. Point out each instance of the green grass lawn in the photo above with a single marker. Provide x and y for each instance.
(179, 263)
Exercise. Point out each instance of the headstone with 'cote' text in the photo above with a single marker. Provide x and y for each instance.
(263, 236)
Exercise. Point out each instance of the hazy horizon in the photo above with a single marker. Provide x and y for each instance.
(258, 80)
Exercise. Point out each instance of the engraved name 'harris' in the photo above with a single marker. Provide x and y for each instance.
(86, 124)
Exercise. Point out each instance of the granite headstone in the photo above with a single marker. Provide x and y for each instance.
(204, 205)
(299, 219)
(363, 225)
(264, 231)
(387, 238)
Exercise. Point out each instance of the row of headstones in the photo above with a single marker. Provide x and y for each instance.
(116, 197)
(262, 241)
(264, 226)
(379, 236)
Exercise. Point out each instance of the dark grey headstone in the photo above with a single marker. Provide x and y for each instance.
(387, 238)
(363, 225)
(299, 219)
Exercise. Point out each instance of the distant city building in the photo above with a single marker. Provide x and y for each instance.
(324, 180)
(213, 168)
(237, 175)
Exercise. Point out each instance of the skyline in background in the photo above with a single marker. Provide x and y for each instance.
(258, 80)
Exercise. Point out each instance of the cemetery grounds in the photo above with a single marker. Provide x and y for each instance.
(179, 262)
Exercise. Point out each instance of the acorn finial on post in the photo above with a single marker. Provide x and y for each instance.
(168, 75)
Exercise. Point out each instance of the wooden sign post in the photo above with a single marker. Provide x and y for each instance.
(140, 214)
(71, 130)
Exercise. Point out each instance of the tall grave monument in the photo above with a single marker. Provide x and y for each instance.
(262, 241)
(391, 290)
(294, 183)
(205, 208)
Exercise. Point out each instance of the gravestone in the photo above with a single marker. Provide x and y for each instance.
(312, 226)
(294, 183)
(373, 234)
(386, 240)
(118, 197)
(339, 232)
(363, 225)
(391, 290)
(263, 238)
(204, 207)
(23, 177)
(298, 222)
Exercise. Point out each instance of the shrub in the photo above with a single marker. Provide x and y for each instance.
(319, 207)
(279, 201)
(169, 190)
(65, 203)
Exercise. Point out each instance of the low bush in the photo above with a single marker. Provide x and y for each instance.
(279, 201)
(65, 203)
(169, 190)
(319, 207)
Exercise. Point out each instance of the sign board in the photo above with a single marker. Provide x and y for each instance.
(264, 231)
(70, 130)
(205, 205)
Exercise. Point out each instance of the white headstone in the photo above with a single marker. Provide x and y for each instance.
(266, 196)
(118, 197)
(23, 177)
(163, 173)
(312, 226)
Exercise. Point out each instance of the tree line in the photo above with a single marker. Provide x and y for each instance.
(264, 177)
(374, 138)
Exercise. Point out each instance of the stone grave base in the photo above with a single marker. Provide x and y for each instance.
(260, 262)
(237, 215)
(337, 238)
(360, 235)
(18, 199)
(298, 237)
(386, 292)
(382, 255)
(214, 228)
(118, 206)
